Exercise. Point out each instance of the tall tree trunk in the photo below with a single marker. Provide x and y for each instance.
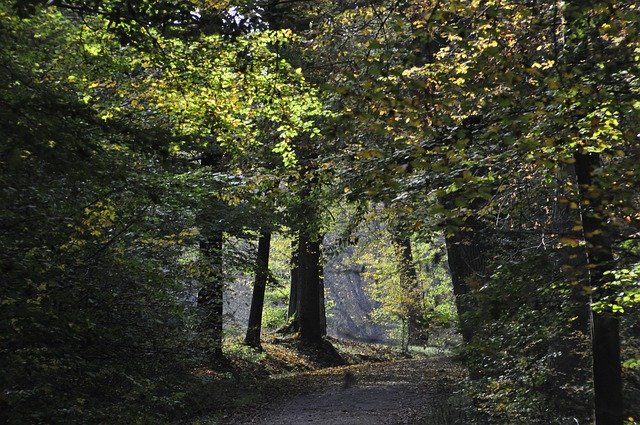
(309, 281)
(569, 348)
(257, 300)
(581, 30)
(294, 297)
(309, 310)
(465, 251)
(409, 279)
(468, 272)
(607, 374)
(210, 296)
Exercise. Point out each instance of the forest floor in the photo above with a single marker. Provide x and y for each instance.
(415, 391)
(399, 390)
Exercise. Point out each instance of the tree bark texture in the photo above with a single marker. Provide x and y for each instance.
(260, 283)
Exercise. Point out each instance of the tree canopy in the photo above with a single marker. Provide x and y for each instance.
(138, 138)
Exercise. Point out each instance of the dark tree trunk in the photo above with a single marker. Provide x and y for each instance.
(309, 282)
(210, 295)
(295, 288)
(259, 286)
(465, 251)
(607, 374)
(210, 301)
(409, 279)
(569, 348)
(468, 272)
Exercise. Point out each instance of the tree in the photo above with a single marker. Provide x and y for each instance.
(409, 282)
(257, 300)
(128, 160)
(309, 312)
(570, 365)
(294, 290)
(109, 147)
(312, 276)
(545, 85)
(466, 260)
(210, 293)
(607, 374)
(91, 239)
(394, 284)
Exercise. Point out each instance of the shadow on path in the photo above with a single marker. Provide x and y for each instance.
(402, 392)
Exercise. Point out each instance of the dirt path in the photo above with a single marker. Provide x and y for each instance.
(403, 392)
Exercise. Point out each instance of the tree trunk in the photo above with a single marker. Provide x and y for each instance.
(309, 281)
(409, 279)
(468, 272)
(210, 295)
(295, 288)
(210, 301)
(259, 286)
(607, 374)
(569, 348)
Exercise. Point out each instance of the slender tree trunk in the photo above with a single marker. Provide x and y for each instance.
(210, 296)
(257, 300)
(607, 374)
(309, 312)
(468, 272)
(295, 288)
(409, 278)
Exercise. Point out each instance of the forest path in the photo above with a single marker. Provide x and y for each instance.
(416, 391)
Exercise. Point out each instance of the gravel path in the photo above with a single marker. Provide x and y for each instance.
(404, 392)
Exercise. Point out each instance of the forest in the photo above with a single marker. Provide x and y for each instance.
(361, 211)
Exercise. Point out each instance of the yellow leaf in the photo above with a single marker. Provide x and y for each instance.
(566, 240)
